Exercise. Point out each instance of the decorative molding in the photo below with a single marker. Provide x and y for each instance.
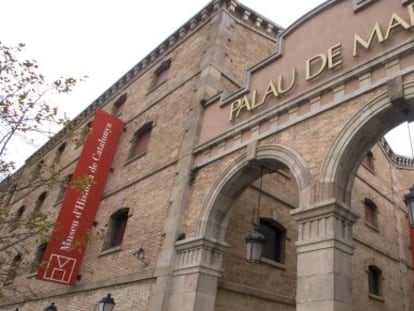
(197, 255)
(233, 7)
(327, 224)
(254, 292)
(359, 5)
(406, 2)
(398, 160)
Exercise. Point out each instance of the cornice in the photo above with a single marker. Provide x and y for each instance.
(236, 9)
(396, 159)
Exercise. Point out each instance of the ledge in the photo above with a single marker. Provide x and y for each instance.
(254, 292)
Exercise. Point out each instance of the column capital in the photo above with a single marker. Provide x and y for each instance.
(327, 224)
(199, 255)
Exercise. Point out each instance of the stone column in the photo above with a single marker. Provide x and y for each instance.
(324, 250)
(194, 282)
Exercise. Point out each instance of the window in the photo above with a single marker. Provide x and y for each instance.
(274, 234)
(119, 105)
(63, 187)
(374, 281)
(59, 152)
(371, 213)
(37, 170)
(12, 272)
(161, 73)
(85, 131)
(15, 222)
(116, 228)
(39, 202)
(368, 161)
(140, 141)
(9, 196)
(40, 251)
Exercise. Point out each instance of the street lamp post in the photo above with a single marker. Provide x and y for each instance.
(106, 303)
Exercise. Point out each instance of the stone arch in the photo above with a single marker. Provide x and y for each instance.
(384, 112)
(216, 209)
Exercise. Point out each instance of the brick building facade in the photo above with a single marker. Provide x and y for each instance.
(228, 114)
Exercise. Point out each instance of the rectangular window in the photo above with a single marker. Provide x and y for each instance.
(374, 281)
(140, 141)
(161, 74)
(371, 211)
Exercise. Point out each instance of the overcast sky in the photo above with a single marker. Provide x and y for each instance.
(104, 39)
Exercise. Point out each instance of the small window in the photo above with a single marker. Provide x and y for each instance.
(375, 281)
(59, 153)
(39, 202)
(16, 220)
(161, 73)
(140, 141)
(12, 271)
(37, 170)
(119, 104)
(85, 131)
(274, 234)
(40, 251)
(116, 228)
(9, 196)
(368, 161)
(63, 187)
(371, 213)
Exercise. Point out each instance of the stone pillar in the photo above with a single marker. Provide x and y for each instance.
(194, 282)
(324, 250)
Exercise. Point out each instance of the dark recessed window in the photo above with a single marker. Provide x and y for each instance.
(369, 161)
(39, 202)
(119, 104)
(274, 233)
(116, 228)
(161, 73)
(140, 141)
(375, 280)
(9, 196)
(59, 153)
(371, 213)
(37, 170)
(63, 187)
(85, 131)
(40, 251)
(17, 217)
(13, 268)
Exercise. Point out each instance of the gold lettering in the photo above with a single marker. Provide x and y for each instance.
(289, 88)
(310, 63)
(376, 32)
(396, 21)
(254, 102)
(238, 105)
(245, 104)
(334, 56)
(271, 90)
(234, 107)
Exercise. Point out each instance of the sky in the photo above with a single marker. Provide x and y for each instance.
(104, 39)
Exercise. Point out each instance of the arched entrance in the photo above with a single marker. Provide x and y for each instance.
(341, 99)
(200, 259)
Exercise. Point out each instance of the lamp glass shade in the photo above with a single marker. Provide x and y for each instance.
(51, 307)
(254, 245)
(106, 304)
(409, 201)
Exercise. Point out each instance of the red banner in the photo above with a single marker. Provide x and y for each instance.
(64, 253)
